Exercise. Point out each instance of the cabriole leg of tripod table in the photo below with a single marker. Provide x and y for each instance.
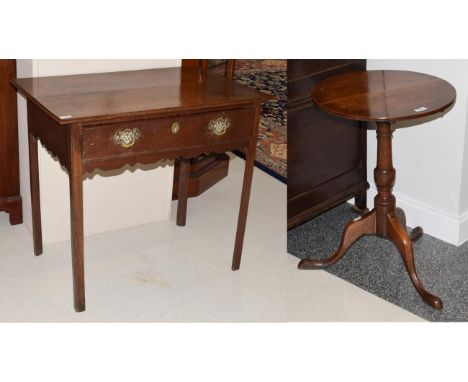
(401, 239)
(416, 233)
(365, 225)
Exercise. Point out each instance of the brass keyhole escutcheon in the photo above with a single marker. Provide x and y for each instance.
(175, 127)
(126, 138)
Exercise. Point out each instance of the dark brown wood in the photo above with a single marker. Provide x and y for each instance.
(76, 216)
(326, 154)
(111, 163)
(373, 102)
(396, 95)
(230, 69)
(190, 62)
(416, 232)
(360, 200)
(53, 136)
(205, 172)
(203, 68)
(245, 197)
(193, 132)
(35, 194)
(402, 241)
(184, 176)
(121, 96)
(13, 206)
(10, 199)
(364, 225)
(117, 119)
(199, 64)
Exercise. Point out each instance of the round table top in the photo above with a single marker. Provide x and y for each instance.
(383, 95)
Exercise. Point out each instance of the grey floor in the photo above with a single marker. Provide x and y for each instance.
(163, 273)
(375, 265)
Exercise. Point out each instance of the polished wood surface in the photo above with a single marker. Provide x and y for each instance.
(384, 95)
(183, 191)
(246, 186)
(385, 220)
(326, 154)
(168, 114)
(91, 98)
(230, 69)
(10, 199)
(193, 132)
(76, 215)
(35, 194)
(205, 171)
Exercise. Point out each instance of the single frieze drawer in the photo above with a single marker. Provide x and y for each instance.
(167, 133)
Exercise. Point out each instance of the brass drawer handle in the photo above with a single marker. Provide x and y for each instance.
(218, 126)
(126, 138)
(175, 127)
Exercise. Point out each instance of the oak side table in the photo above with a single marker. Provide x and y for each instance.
(384, 97)
(108, 120)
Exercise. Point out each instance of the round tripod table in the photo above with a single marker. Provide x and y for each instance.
(384, 97)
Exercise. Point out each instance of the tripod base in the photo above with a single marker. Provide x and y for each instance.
(395, 230)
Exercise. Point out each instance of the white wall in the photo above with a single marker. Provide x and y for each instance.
(133, 197)
(430, 158)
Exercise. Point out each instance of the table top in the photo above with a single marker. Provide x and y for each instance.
(384, 95)
(85, 98)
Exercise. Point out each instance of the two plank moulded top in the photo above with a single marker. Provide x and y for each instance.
(88, 98)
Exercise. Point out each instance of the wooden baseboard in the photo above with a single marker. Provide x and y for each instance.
(13, 206)
(205, 172)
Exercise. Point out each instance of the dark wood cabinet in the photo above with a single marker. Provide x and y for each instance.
(10, 199)
(326, 154)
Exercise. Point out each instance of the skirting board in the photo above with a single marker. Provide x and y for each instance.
(463, 236)
(449, 228)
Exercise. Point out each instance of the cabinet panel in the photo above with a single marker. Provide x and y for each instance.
(326, 154)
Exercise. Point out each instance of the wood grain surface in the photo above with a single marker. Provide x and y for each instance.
(122, 95)
(384, 95)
